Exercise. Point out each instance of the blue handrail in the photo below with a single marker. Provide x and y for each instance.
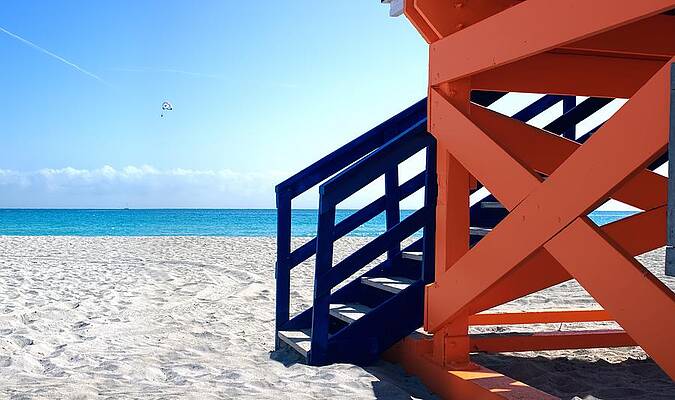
(322, 170)
(380, 162)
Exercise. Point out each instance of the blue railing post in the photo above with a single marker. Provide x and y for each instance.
(325, 237)
(429, 231)
(569, 102)
(393, 207)
(282, 269)
(670, 216)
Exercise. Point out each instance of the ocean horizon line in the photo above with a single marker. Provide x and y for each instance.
(238, 222)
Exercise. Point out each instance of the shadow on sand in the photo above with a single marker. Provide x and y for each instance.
(570, 379)
(565, 378)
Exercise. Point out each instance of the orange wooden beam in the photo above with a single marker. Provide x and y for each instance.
(639, 302)
(452, 210)
(637, 234)
(543, 212)
(539, 317)
(545, 152)
(496, 343)
(436, 19)
(648, 38)
(530, 28)
(570, 74)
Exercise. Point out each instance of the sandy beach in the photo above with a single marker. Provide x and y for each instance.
(193, 318)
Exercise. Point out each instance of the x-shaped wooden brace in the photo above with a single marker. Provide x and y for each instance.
(549, 216)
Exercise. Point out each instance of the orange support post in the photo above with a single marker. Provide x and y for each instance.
(548, 184)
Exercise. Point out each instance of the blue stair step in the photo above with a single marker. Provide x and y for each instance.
(412, 255)
(300, 340)
(389, 284)
(349, 312)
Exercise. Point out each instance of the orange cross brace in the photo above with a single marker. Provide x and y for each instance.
(542, 216)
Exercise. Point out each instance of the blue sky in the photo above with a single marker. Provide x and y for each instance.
(259, 90)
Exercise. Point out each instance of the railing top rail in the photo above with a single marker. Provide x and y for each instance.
(368, 169)
(352, 151)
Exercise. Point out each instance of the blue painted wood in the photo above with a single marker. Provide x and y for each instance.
(393, 207)
(663, 158)
(282, 269)
(376, 164)
(670, 250)
(369, 252)
(324, 261)
(537, 107)
(486, 217)
(357, 219)
(582, 111)
(352, 151)
(486, 98)
(362, 341)
(569, 103)
(429, 232)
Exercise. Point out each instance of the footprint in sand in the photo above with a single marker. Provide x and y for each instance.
(5, 361)
(22, 341)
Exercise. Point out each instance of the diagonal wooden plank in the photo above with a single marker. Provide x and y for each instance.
(529, 28)
(503, 174)
(637, 300)
(603, 163)
(636, 234)
(545, 152)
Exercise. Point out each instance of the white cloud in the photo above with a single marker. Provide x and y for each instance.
(145, 186)
(137, 186)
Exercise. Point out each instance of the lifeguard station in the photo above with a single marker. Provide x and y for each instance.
(531, 231)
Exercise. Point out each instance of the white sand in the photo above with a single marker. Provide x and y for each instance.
(161, 318)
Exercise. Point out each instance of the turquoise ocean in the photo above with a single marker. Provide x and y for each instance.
(184, 222)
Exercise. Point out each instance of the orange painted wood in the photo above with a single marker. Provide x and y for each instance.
(570, 74)
(649, 37)
(512, 180)
(496, 343)
(452, 211)
(440, 18)
(539, 317)
(637, 234)
(545, 211)
(545, 152)
(639, 302)
(417, 20)
(529, 28)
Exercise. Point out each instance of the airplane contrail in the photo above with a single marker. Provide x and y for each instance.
(49, 53)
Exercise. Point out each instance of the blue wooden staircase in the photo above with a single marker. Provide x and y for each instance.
(357, 321)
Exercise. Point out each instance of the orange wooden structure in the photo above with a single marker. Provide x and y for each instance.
(602, 48)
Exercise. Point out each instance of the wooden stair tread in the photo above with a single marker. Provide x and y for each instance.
(491, 204)
(412, 255)
(479, 231)
(349, 312)
(301, 340)
(389, 284)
